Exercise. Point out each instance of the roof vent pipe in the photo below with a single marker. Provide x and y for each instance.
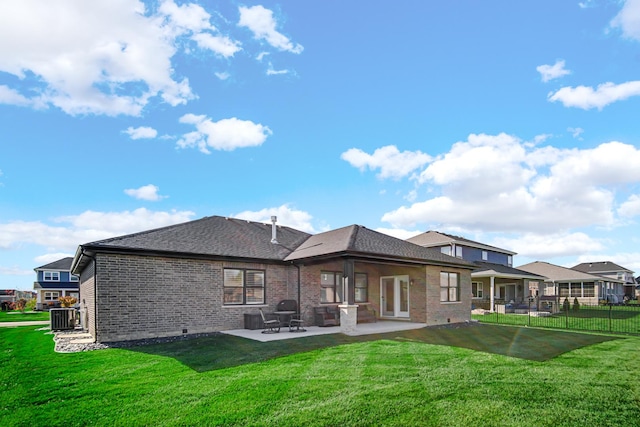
(274, 219)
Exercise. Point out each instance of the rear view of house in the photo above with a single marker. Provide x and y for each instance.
(54, 280)
(205, 275)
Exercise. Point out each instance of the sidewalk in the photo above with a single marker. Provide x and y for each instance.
(27, 323)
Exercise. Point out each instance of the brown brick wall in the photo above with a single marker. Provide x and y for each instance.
(441, 313)
(145, 297)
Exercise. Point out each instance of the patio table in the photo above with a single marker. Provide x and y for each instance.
(285, 316)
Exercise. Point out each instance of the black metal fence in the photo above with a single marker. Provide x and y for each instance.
(615, 319)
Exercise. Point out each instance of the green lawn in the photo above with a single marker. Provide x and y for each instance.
(17, 316)
(439, 377)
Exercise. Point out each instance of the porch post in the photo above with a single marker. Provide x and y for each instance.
(348, 311)
(492, 294)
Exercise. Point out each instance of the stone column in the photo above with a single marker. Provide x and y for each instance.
(348, 318)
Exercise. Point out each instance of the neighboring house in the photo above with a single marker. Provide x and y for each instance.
(13, 295)
(612, 271)
(494, 281)
(565, 282)
(55, 280)
(205, 275)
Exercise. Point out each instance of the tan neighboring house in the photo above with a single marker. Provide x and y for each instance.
(568, 283)
(494, 281)
(205, 275)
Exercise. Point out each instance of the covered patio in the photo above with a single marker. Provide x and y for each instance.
(379, 327)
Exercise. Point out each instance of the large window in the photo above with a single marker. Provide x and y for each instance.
(476, 290)
(449, 287)
(51, 296)
(243, 286)
(51, 276)
(362, 293)
(331, 287)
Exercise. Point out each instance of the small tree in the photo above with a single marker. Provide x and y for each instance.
(576, 304)
(21, 304)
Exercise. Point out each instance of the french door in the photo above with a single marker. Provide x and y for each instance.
(394, 296)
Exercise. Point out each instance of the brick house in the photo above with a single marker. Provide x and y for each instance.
(203, 276)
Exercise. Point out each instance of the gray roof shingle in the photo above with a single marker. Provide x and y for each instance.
(213, 236)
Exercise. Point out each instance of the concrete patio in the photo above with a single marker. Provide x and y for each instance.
(379, 327)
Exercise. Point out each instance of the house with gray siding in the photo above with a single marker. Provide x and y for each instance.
(203, 276)
(494, 281)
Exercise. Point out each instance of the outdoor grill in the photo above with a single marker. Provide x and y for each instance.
(287, 305)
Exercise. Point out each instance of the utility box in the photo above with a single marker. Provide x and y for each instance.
(62, 318)
(253, 321)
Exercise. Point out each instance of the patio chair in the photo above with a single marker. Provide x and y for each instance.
(296, 324)
(271, 326)
(324, 317)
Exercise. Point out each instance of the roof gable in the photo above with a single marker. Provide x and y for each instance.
(361, 241)
(557, 273)
(63, 264)
(600, 267)
(436, 238)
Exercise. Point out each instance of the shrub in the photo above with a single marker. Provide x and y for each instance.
(20, 304)
(576, 304)
(31, 304)
(67, 301)
(565, 305)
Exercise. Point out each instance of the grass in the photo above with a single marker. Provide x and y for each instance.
(439, 377)
(17, 316)
(610, 319)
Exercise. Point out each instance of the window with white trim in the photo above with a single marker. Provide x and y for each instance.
(477, 290)
(73, 278)
(243, 286)
(485, 255)
(449, 287)
(51, 296)
(51, 276)
(446, 250)
(459, 251)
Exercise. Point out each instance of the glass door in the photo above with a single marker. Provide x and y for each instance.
(394, 296)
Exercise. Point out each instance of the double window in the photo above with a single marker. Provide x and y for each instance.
(243, 286)
(51, 276)
(51, 296)
(449, 287)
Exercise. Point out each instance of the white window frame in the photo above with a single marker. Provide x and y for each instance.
(479, 290)
(54, 276)
(458, 251)
(73, 278)
(485, 255)
(446, 250)
(51, 295)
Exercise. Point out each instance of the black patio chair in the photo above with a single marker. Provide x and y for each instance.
(271, 326)
(296, 323)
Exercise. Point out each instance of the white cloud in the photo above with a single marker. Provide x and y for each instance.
(187, 17)
(586, 97)
(628, 19)
(537, 246)
(576, 132)
(391, 162)
(550, 72)
(300, 220)
(78, 56)
(272, 72)
(498, 183)
(13, 97)
(146, 192)
(222, 75)
(398, 232)
(86, 227)
(225, 134)
(631, 207)
(142, 132)
(261, 22)
(221, 45)
(51, 257)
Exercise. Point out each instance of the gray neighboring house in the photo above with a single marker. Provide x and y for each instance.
(494, 280)
(205, 275)
(611, 270)
(565, 282)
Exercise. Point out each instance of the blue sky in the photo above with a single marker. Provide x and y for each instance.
(511, 123)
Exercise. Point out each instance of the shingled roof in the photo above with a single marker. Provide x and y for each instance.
(438, 238)
(222, 237)
(63, 264)
(600, 267)
(503, 271)
(210, 236)
(356, 240)
(557, 273)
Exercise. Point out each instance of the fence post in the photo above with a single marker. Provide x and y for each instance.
(529, 313)
(610, 310)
